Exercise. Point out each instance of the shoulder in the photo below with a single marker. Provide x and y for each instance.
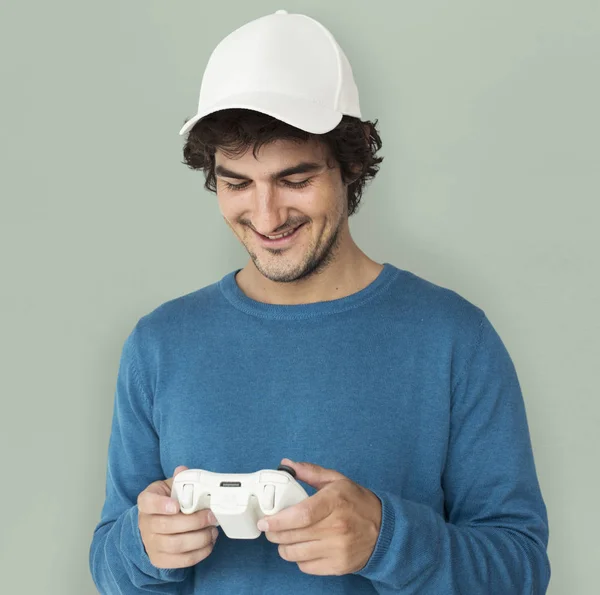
(177, 319)
(441, 309)
(447, 324)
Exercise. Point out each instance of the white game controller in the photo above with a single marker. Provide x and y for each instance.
(238, 500)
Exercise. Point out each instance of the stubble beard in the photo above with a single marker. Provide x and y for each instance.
(314, 263)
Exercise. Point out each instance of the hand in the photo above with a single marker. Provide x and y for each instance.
(173, 539)
(334, 531)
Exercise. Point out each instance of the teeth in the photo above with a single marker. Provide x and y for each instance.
(282, 235)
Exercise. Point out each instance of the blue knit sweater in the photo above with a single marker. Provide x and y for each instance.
(405, 387)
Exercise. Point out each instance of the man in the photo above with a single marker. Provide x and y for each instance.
(398, 394)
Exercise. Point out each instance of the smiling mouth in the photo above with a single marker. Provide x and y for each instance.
(279, 239)
(281, 235)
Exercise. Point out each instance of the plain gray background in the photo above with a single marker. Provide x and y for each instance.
(490, 186)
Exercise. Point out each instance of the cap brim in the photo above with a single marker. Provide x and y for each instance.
(301, 113)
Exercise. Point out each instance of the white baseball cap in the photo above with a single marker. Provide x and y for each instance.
(288, 66)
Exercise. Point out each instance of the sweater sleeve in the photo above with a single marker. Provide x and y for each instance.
(118, 560)
(493, 536)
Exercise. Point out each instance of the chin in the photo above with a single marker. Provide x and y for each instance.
(280, 272)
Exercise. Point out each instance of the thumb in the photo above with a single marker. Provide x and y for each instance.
(314, 475)
(179, 469)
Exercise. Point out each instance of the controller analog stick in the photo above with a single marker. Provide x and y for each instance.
(287, 470)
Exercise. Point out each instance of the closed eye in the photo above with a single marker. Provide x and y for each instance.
(302, 184)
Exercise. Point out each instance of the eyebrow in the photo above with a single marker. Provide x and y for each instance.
(301, 168)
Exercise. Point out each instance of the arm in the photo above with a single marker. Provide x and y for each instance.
(494, 535)
(118, 560)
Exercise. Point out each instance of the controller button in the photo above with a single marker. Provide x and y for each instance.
(269, 497)
(287, 470)
(187, 495)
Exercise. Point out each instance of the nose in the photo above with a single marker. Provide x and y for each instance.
(269, 215)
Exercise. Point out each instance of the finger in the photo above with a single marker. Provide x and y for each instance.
(304, 514)
(182, 560)
(161, 524)
(178, 470)
(150, 502)
(182, 543)
(304, 552)
(314, 475)
(312, 533)
(320, 567)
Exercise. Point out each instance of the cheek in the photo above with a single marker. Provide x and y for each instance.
(221, 205)
(320, 205)
(228, 210)
(228, 217)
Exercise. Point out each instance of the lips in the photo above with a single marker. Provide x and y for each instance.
(287, 232)
(279, 241)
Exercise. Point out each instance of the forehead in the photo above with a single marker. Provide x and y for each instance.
(274, 155)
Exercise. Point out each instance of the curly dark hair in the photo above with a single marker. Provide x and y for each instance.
(352, 143)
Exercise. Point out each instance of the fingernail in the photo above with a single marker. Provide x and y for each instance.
(215, 533)
(171, 507)
(212, 519)
(262, 525)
